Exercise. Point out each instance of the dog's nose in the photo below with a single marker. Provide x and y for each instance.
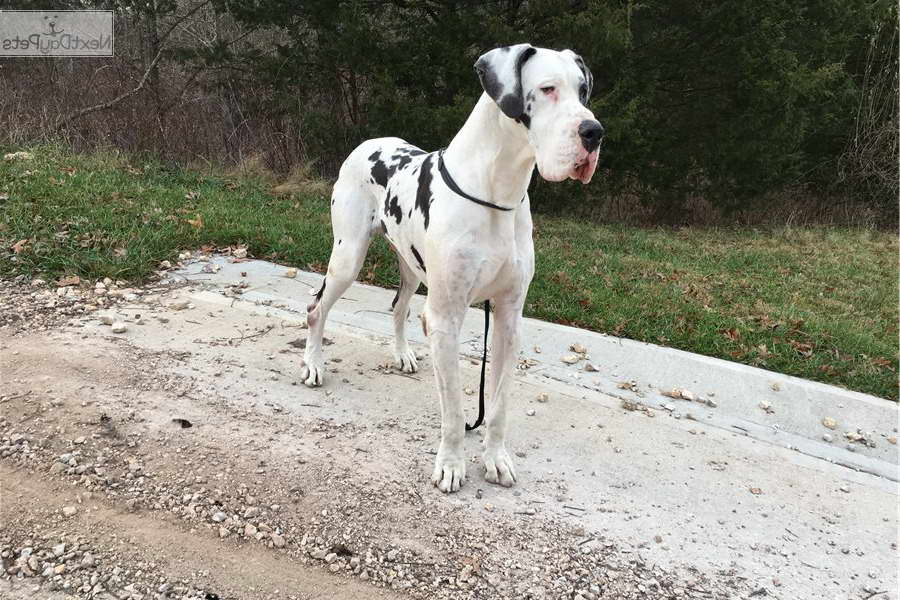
(591, 132)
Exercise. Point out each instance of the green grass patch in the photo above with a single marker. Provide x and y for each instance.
(815, 303)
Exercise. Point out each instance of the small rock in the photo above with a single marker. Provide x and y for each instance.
(165, 265)
(578, 348)
(570, 359)
(180, 304)
(278, 540)
(219, 517)
(249, 530)
(711, 403)
(392, 555)
(591, 367)
(78, 440)
(845, 488)
(827, 437)
(829, 422)
(330, 558)
(543, 397)
(69, 511)
(290, 273)
(107, 319)
(119, 327)
(239, 253)
(530, 412)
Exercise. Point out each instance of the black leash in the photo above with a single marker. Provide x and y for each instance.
(445, 175)
(487, 324)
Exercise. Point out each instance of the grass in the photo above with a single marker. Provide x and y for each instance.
(815, 303)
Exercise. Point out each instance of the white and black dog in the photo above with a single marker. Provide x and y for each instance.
(460, 220)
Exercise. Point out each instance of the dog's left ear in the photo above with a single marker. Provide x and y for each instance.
(500, 73)
(584, 93)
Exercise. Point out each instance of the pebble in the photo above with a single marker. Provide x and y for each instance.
(827, 437)
(278, 540)
(239, 253)
(119, 327)
(530, 412)
(219, 517)
(290, 273)
(845, 488)
(107, 319)
(180, 304)
(543, 397)
(69, 511)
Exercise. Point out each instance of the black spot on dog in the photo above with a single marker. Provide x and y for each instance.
(402, 160)
(392, 208)
(418, 257)
(409, 214)
(380, 172)
(525, 120)
(321, 290)
(423, 193)
(383, 228)
(397, 296)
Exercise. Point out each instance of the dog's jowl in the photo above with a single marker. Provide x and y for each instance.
(460, 221)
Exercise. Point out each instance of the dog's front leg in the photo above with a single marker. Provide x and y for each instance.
(443, 333)
(504, 349)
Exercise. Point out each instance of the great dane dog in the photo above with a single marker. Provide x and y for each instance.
(460, 221)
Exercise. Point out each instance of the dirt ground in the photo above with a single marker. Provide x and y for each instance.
(180, 459)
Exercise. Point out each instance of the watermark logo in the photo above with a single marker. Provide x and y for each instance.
(67, 33)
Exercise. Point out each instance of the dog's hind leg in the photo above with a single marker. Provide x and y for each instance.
(409, 283)
(352, 221)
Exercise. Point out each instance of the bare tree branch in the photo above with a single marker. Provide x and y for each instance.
(124, 96)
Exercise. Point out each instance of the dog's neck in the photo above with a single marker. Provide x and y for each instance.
(490, 158)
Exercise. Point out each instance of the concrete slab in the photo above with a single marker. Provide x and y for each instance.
(793, 419)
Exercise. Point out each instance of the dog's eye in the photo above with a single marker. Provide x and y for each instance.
(548, 89)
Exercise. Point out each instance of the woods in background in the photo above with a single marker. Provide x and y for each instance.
(715, 110)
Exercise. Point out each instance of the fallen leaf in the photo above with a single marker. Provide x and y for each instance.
(67, 281)
(578, 348)
(755, 491)
(19, 246)
(196, 223)
(731, 333)
(571, 359)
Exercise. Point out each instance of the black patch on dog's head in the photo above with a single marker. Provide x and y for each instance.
(587, 86)
(500, 73)
(424, 197)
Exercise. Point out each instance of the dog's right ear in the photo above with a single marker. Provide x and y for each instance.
(500, 73)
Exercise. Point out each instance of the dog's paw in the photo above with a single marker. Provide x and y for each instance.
(498, 467)
(312, 372)
(406, 360)
(449, 472)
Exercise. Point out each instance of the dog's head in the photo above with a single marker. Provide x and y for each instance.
(546, 92)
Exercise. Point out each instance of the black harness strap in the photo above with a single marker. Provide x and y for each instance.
(487, 323)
